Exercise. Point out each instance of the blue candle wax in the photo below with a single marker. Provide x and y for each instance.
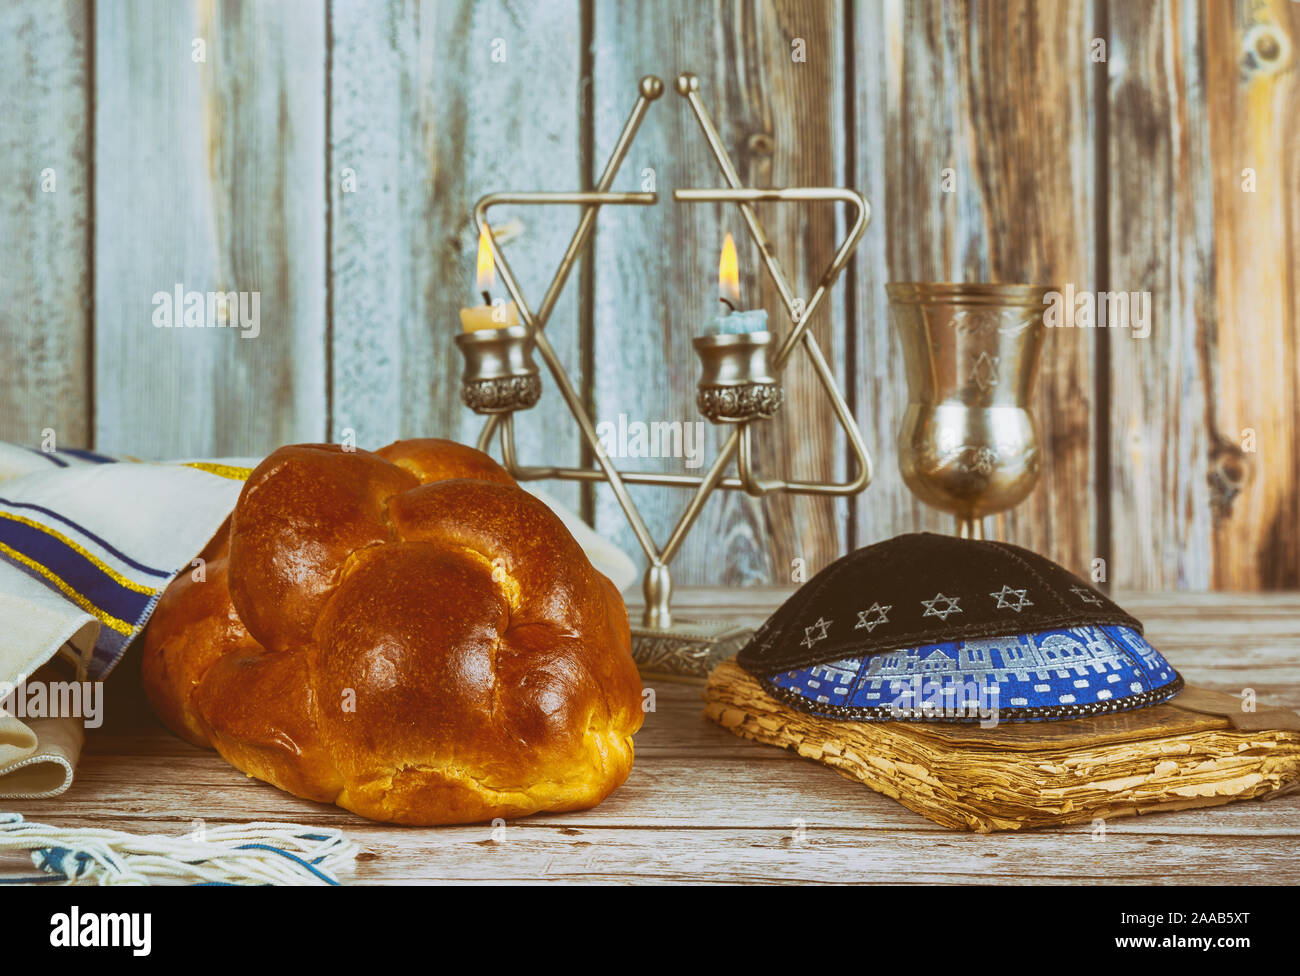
(752, 320)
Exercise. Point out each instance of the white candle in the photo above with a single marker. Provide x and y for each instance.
(489, 315)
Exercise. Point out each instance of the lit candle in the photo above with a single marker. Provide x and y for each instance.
(730, 319)
(489, 315)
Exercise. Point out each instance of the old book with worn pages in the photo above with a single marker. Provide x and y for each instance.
(1023, 775)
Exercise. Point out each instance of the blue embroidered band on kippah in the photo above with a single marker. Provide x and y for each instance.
(1050, 674)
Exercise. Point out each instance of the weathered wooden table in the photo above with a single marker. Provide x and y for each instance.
(704, 806)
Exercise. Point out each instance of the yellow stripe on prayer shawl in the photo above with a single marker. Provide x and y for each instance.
(121, 626)
(98, 563)
(221, 470)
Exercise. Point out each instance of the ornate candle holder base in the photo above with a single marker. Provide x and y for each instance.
(736, 381)
(501, 395)
(688, 650)
(500, 375)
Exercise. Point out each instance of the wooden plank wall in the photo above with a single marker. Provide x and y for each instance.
(209, 175)
(409, 154)
(45, 221)
(1252, 55)
(325, 155)
(1161, 240)
(1204, 158)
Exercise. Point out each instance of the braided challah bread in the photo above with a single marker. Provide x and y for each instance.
(406, 633)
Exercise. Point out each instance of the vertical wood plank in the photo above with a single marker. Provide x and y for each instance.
(209, 174)
(907, 238)
(781, 120)
(44, 221)
(1000, 94)
(424, 121)
(1252, 57)
(1161, 241)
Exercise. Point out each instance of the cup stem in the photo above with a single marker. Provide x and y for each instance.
(970, 528)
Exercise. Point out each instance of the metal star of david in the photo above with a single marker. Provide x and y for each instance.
(657, 620)
(1005, 597)
(932, 608)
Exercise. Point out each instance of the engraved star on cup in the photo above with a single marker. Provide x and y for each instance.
(1086, 595)
(984, 371)
(933, 608)
(873, 617)
(1011, 599)
(811, 635)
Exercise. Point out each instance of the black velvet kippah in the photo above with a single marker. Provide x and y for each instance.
(922, 589)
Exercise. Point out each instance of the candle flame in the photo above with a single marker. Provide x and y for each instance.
(729, 273)
(487, 272)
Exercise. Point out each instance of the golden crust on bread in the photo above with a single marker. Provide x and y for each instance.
(406, 633)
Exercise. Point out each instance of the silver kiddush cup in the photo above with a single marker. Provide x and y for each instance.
(736, 383)
(969, 444)
(500, 375)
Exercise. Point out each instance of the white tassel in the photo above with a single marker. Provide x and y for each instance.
(255, 853)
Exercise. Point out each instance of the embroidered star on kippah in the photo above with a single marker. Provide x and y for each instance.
(811, 635)
(873, 617)
(1008, 595)
(1086, 595)
(932, 608)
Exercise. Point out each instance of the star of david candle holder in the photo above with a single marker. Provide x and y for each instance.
(969, 444)
(740, 382)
